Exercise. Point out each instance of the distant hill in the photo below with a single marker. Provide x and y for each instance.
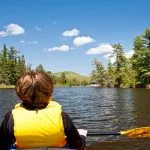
(70, 74)
(73, 76)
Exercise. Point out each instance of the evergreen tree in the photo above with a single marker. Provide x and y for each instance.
(63, 78)
(99, 73)
(119, 63)
(20, 66)
(11, 65)
(111, 74)
(40, 68)
(28, 67)
(141, 58)
(4, 66)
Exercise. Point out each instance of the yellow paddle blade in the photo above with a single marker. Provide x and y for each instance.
(137, 132)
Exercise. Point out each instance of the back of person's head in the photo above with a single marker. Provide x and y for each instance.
(35, 89)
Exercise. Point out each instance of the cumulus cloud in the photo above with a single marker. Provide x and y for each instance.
(32, 42)
(129, 54)
(22, 41)
(2, 33)
(63, 48)
(107, 56)
(79, 41)
(38, 28)
(70, 33)
(111, 58)
(12, 29)
(102, 48)
(29, 42)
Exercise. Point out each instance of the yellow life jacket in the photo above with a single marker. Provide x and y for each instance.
(42, 128)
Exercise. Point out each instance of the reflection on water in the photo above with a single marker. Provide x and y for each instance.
(131, 144)
(98, 110)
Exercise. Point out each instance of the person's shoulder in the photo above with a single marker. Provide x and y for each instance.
(7, 118)
(54, 104)
(66, 118)
(64, 114)
(8, 114)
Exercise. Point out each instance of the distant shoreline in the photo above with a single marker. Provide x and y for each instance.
(12, 86)
(2, 86)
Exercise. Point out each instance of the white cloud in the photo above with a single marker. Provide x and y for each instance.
(110, 57)
(129, 54)
(70, 33)
(113, 58)
(29, 42)
(32, 42)
(102, 48)
(63, 48)
(38, 28)
(22, 41)
(3, 33)
(107, 56)
(12, 29)
(79, 41)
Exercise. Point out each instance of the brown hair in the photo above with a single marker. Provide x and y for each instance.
(35, 89)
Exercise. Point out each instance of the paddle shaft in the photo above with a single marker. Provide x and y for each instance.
(103, 133)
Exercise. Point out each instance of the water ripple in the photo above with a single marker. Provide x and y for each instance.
(96, 109)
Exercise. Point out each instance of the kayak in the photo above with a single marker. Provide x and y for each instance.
(43, 149)
(81, 132)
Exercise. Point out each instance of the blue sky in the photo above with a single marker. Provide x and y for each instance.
(68, 34)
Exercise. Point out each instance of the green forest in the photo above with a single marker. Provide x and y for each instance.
(12, 66)
(124, 72)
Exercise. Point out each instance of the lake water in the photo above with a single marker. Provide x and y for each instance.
(99, 110)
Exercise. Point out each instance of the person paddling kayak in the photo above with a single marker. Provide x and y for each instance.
(38, 121)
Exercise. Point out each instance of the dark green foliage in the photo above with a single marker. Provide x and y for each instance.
(126, 72)
(63, 78)
(99, 74)
(40, 68)
(119, 63)
(11, 65)
(69, 78)
(141, 58)
(123, 72)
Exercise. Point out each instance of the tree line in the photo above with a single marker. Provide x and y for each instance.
(65, 78)
(126, 72)
(12, 65)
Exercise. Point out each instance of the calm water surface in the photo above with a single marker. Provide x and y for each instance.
(99, 110)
